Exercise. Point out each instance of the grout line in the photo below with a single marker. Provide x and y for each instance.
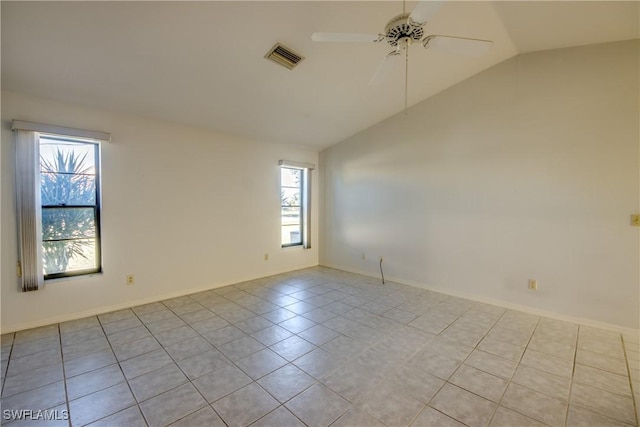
(514, 371)
(633, 394)
(64, 378)
(573, 372)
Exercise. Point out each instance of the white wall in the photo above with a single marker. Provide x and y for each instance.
(527, 170)
(183, 209)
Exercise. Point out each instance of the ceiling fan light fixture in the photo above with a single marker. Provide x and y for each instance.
(401, 27)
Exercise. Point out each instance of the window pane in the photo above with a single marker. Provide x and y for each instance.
(291, 216)
(68, 223)
(290, 177)
(69, 182)
(68, 256)
(65, 189)
(291, 235)
(290, 196)
(67, 156)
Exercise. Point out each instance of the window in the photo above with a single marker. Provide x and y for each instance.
(292, 182)
(57, 201)
(294, 203)
(70, 197)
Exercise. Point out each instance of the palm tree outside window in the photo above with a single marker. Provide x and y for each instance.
(70, 197)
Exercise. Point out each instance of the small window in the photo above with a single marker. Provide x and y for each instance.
(70, 198)
(292, 205)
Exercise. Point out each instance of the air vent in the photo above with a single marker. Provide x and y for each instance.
(284, 56)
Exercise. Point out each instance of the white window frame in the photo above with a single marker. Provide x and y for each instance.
(72, 134)
(305, 197)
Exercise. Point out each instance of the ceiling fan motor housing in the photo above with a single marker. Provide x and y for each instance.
(402, 28)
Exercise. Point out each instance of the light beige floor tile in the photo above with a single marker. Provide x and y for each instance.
(100, 404)
(416, 383)
(600, 361)
(463, 335)
(203, 363)
(93, 381)
(188, 348)
(563, 350)
(535, 405)
(44, 397)
(202, 417)
(350, 381)
(221, 382)
(491, 364)
(280, 417)
(604, 347)
(600, 334)
(430, 417)
(318, 406)
(318, 363)
(479, 382)
(154, 383)
(546, 362)
(603, 402)
(261, 363)
(33, 361)
(32, 379)
(172, 405)
(582, 417)
(130, 417)
(292, 348)
(389, 405)
(542, 381)
(604, 380)
(505, 417)
(286, 382)
(245, 406)
(463, 406)
(357, 417)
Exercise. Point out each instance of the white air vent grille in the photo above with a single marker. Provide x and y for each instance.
(284, 56)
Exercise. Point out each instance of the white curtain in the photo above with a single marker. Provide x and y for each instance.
(29, 209)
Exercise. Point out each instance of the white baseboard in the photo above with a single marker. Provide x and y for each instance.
(102, 310)
(498, 302)
(473, 297)
(109, 308)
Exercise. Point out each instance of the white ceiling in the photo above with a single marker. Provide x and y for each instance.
(201, 63)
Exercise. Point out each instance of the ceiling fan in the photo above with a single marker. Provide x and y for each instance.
(401, 32)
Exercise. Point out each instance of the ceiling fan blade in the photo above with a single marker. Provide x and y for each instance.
(461, 45)
(385, 67)
(424, 11)
(346, 37)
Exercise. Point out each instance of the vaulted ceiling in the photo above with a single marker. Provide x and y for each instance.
(202, 63)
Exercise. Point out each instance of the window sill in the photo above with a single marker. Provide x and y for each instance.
(69, 278)
(291, 247)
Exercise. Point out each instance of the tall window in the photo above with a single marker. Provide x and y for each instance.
(294, 203)
(70, 197)
(292, 182)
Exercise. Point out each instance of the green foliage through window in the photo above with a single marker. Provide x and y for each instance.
(70, 210)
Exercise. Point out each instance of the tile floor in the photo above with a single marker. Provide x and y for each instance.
(320, 347)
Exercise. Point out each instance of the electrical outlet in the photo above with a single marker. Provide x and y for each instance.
(533, 284)
(381, 259)
(131, 279)
(635, 220)
(266, 257)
